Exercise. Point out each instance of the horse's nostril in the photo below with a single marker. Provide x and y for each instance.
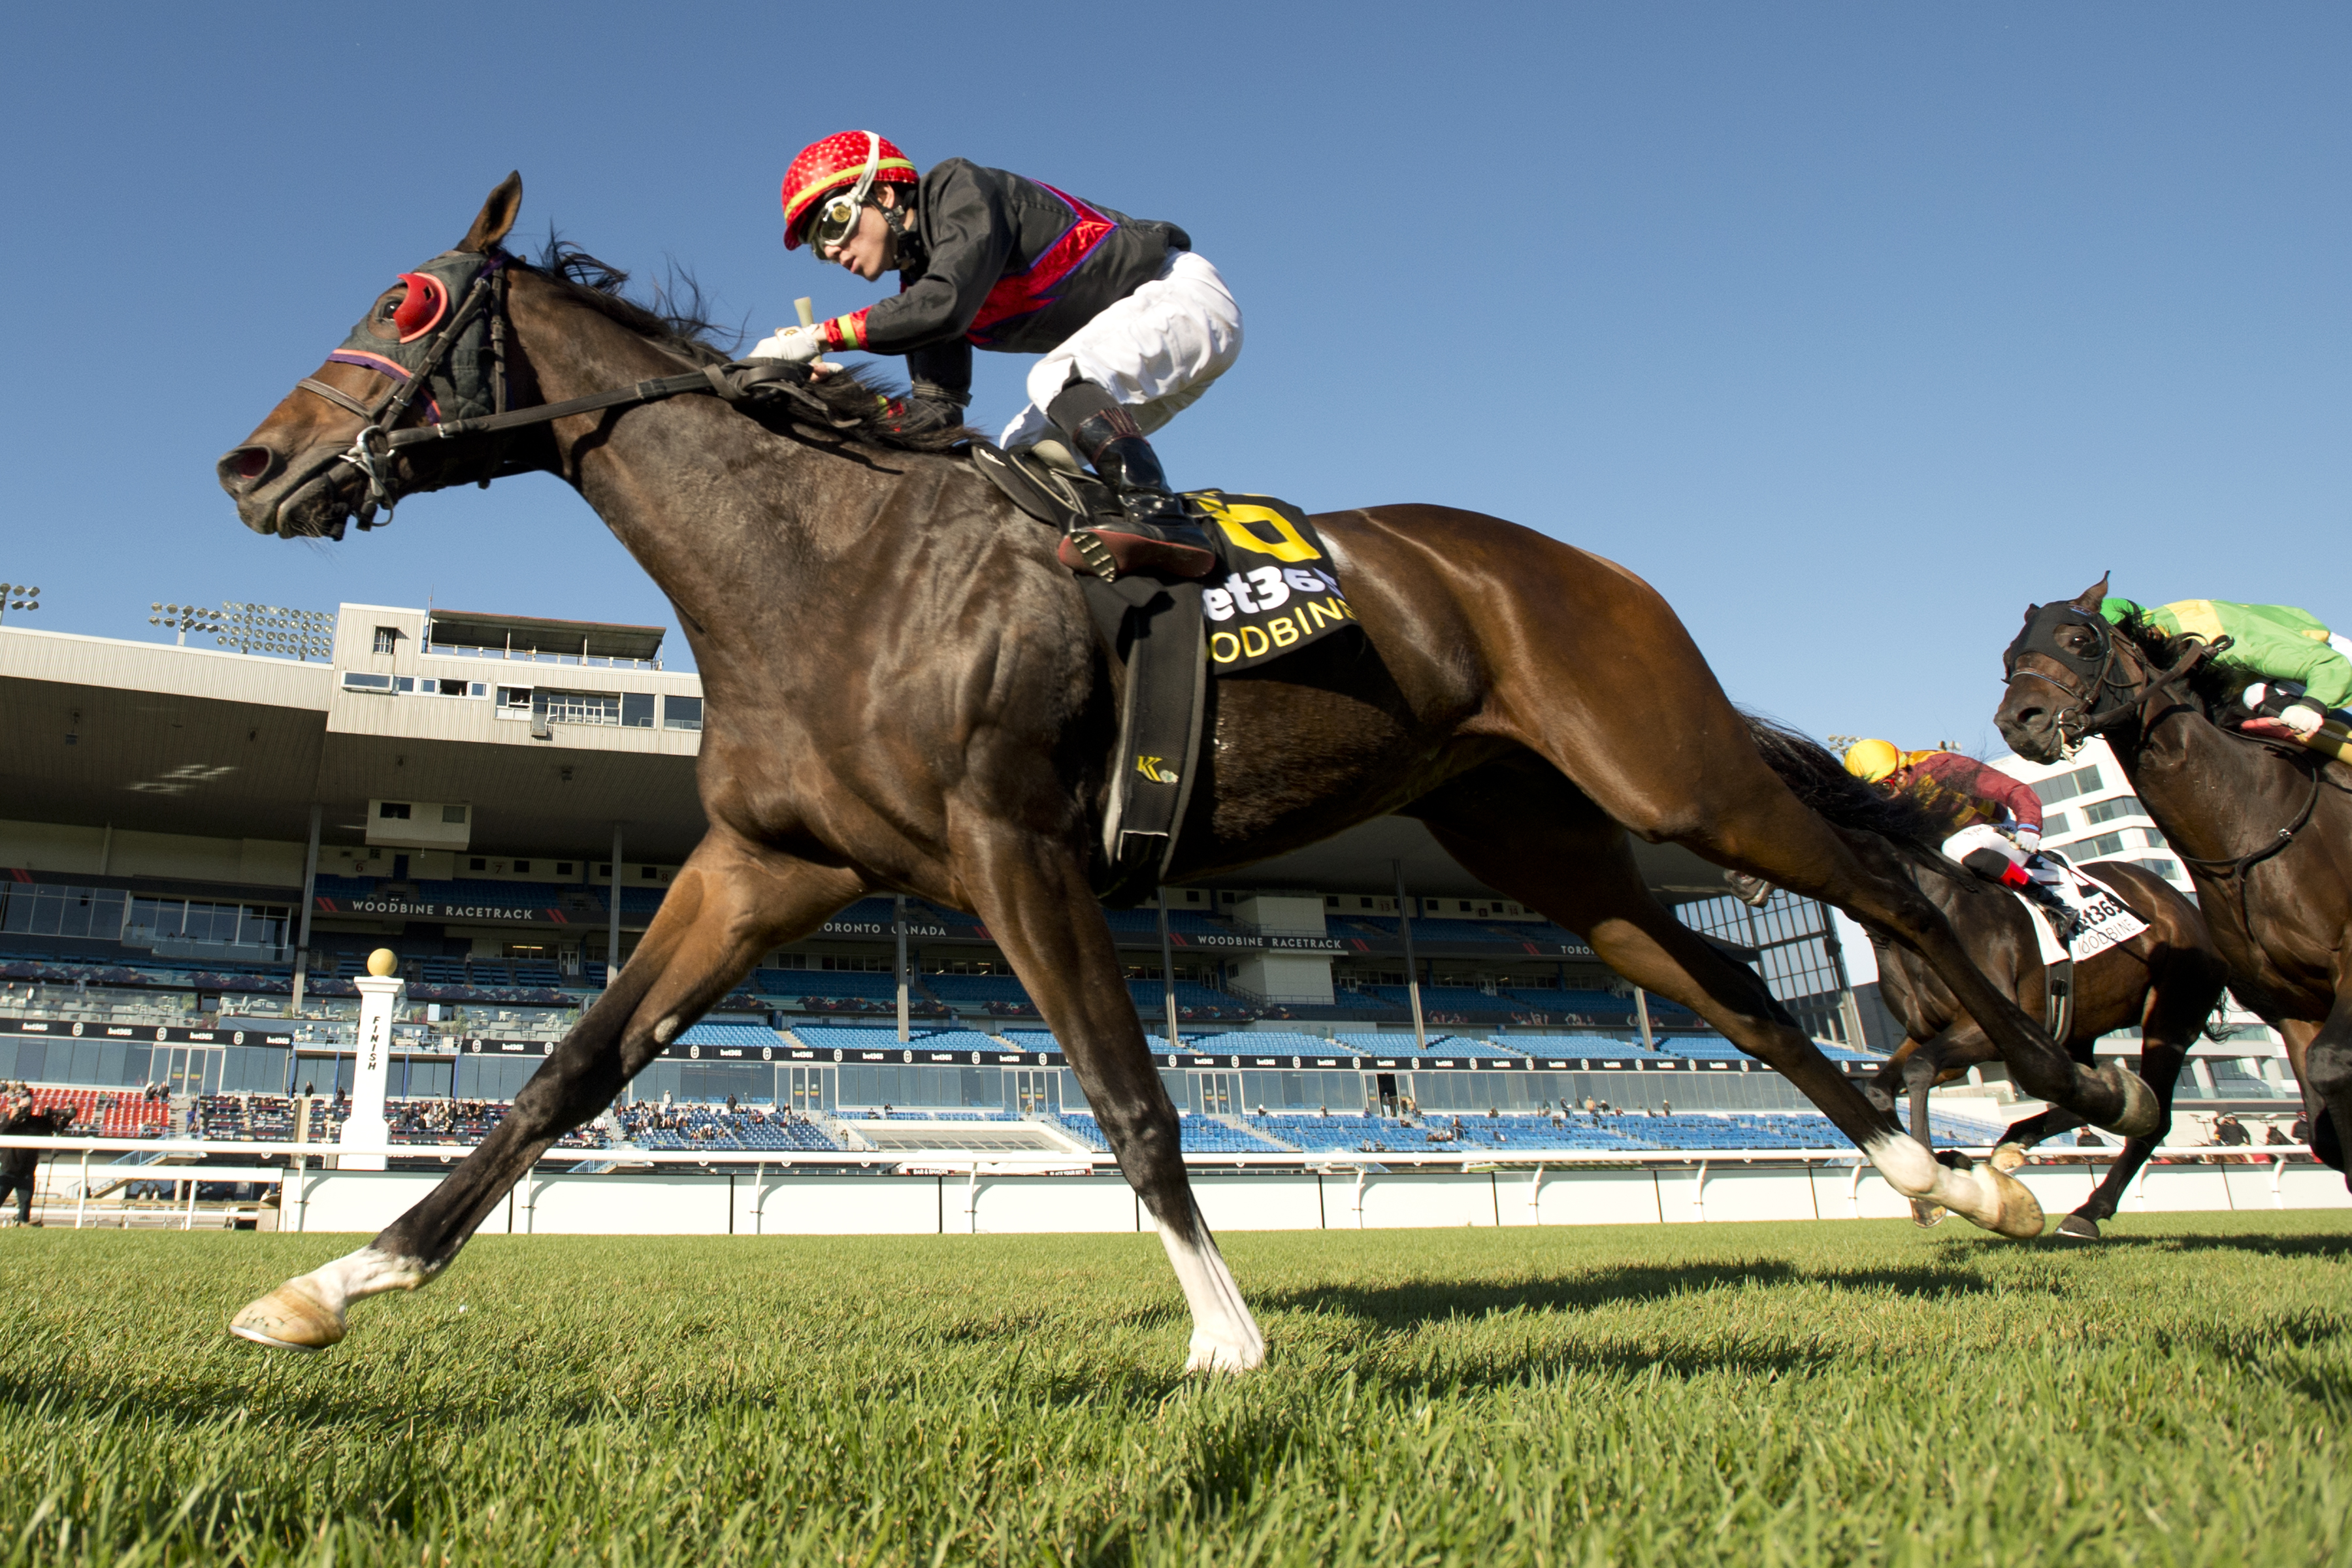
(248, 462)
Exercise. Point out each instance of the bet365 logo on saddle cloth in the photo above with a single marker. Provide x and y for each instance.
(1277, 592)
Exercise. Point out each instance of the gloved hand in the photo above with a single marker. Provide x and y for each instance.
(793, 345)
(2028, 838)
(2303, 718)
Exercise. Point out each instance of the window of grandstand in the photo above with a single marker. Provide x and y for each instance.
(393, 810)
(387, 639)
(514, 702)
(38, 910)
(453, 814)
(2053, 825)
(682, 712)
(2098, 848)
(202, 920)
(2108, 810)
(1790, 936)
(576, 707)
(2066, 786)
(636, 709)
(360, 681)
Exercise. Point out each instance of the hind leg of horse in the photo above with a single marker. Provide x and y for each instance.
(1033, 894)
(2179, 1000)
(1921, 1073)
(730, 902)
(1531, 833)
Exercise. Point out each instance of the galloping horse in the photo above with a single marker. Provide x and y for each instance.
(2165, 981)
(905, 692)
(2264, 827)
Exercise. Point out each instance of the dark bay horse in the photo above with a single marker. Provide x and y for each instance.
(905, 693)
(2165, 981)
(2264, 827)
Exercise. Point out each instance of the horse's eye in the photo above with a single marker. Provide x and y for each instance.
(384, 311)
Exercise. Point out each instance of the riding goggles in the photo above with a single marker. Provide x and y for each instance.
(837, 216)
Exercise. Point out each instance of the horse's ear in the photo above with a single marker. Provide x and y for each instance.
(497, 216)
(2093, 595)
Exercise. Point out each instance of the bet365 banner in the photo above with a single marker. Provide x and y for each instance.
(1277, 592)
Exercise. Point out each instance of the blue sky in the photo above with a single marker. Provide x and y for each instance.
(1851, 327)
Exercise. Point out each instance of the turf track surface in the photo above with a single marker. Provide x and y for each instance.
(1736, 1393)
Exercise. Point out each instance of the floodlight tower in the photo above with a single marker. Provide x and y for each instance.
(304, 635)
(18, 596)
(185, 618)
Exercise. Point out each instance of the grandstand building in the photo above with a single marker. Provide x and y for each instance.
(200, 844)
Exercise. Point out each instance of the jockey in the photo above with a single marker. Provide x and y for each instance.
(1998, 818)
(1133, 326)
(2305, 669)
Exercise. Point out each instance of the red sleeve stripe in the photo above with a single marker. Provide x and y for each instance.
(846, 331)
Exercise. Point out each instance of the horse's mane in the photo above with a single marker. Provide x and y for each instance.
(858, 402)
(2217, 683)
(1821, 784)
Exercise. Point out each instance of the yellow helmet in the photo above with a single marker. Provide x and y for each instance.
(1870, 761)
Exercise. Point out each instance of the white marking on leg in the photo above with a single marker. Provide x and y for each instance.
(666, 1031)
(366, 1272)
(1225, 1338)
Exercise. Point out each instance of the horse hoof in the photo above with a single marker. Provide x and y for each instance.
(2142, 1115)
(1213, 1355)
(1927, 1215)
(2075, 1227)
(290, 1318)
(2020, 1217)
(2008, 1157)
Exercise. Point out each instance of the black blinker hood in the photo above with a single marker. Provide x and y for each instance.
(2039, 635)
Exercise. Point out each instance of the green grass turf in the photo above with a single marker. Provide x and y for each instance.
(1744, 1393)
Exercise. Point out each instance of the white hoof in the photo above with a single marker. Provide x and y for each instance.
(294, 1316)
(2009, 1157)
(1213, 1354)
(2001, 1202)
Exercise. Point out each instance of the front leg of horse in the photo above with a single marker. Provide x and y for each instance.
(1034, 896)
(2114, 1097)
(728, 905)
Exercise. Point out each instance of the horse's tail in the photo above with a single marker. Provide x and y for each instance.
(1816, 777)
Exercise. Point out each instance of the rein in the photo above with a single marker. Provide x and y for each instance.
(372, 450)
(2225, 869)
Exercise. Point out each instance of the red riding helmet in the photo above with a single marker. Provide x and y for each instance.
(859, 157)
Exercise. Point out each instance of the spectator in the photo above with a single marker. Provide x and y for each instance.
(20, 1168)
(2087, 1139)
(2300, 1131)
(1591, 1107)
(2276, 1135)
(2229, 1131)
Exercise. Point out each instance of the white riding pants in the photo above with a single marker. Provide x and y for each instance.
(1983, 836)
(1156, 350)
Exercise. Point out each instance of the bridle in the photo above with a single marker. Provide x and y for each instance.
(2093, 711)
(462, 374)
(2090, 718)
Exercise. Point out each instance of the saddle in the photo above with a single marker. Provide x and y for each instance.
(1272, 594)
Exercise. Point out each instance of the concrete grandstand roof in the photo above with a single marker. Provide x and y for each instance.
(218, 744)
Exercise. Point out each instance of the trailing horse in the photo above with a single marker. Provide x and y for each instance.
(2164, 981)
(905, 692)
(2264, 827)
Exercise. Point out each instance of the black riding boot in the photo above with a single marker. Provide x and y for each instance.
(1995, 867)
(1155, 534)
